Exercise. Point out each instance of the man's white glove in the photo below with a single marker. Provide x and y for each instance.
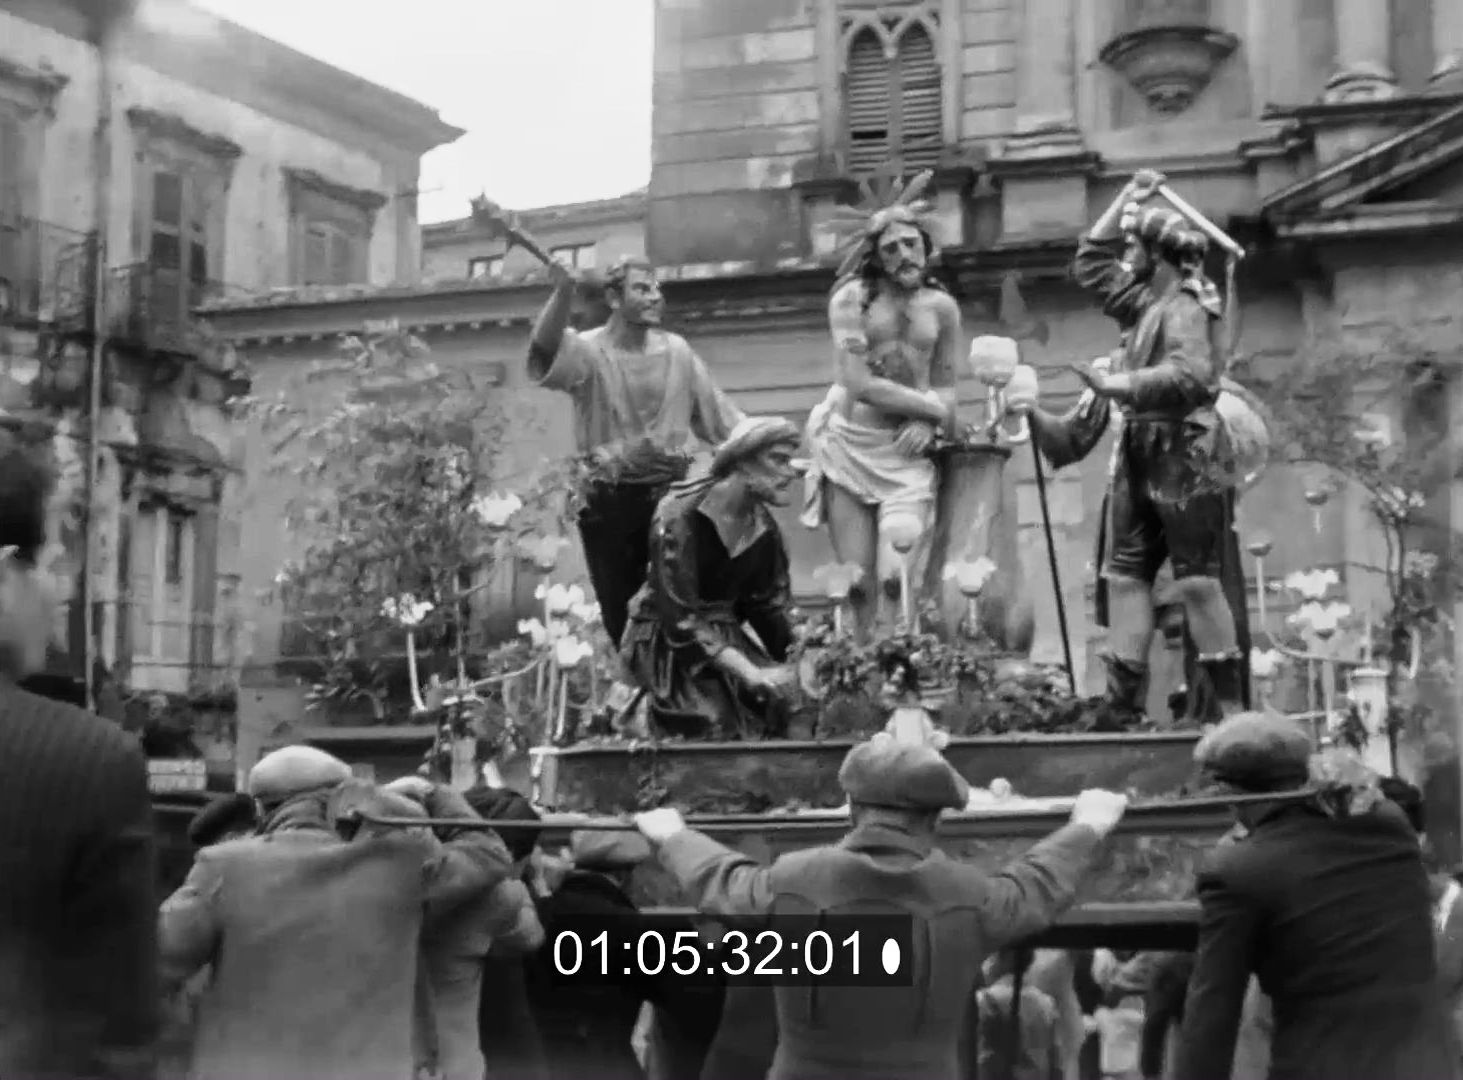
(658, 826)
(1099, 810)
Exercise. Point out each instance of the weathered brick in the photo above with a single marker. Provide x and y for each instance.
(790, 139)
(737, 112)
(779, 46)
(769, 78)
(704, 177)
(986, 26)
(988, 58)
(987, 123)
(985, 91)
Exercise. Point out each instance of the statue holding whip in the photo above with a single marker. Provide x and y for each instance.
(1187, 440)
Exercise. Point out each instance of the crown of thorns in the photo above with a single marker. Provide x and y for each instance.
(882, 202)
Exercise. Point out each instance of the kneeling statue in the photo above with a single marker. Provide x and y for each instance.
(718, 566)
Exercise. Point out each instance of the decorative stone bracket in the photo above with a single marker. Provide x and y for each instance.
(1169, 65)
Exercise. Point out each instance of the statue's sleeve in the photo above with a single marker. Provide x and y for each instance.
(676, 585)
(1098, 269)
(573, 364)
(1070, 437)
(713, 414)
(766, 608)
(1185, 376)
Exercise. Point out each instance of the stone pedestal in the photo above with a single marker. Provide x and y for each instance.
(1363, 52)
(976, 517)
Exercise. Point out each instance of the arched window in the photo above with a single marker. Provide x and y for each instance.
(892, 99)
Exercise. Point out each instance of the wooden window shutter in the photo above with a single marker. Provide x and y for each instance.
(919, 130)
(317, 255)
(869, 92)
(343, 258)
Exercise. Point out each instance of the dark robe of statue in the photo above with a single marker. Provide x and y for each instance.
(698, 599)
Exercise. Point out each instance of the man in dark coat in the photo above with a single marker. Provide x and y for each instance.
(889, 864)
(78, 941)
(1331, 909)
(587, 1025)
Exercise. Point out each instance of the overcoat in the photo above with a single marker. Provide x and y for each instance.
(961, 915)
(314, 943)
(1334, 916)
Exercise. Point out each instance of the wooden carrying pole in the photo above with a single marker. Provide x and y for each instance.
(1150, 815)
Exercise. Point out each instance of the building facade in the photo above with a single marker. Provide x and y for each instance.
(155, 158)
(586, 236)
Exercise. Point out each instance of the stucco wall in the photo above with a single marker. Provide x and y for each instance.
(257, 218)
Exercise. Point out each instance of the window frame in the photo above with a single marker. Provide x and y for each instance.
(577, 250)
(493, 267)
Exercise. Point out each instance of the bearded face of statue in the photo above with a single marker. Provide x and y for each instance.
(902, 256)
(770, 475)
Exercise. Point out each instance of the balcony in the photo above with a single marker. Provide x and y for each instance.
(47, 274)
(151, 307)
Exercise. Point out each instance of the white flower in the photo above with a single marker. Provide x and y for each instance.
(407, 610)
(838, 579)
(586, 612)
(1312, 584)
(495, 510)
(1265, 663)
(535, 631)
(569, 651)
(972, 575)
(559, 599)
(1321, 619)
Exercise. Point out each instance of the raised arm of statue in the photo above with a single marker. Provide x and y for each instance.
(853, 373)
(547, 364)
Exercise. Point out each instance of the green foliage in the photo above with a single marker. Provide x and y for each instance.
(388, 457)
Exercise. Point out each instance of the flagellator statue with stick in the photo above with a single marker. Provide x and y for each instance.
(1187, 440)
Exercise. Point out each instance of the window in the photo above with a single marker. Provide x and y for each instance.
(177, 243)
(330, 229)
(485, 266)
(18, 276)
(161, 550)
(335, 254)
(574, 256)
(892, 99)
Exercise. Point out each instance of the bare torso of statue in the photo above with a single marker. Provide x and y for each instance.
(902, 332)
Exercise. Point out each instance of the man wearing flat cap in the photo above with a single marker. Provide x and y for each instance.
(889, 862)
(587, 1023)
(1329, 906)
(718, 566)
(313, 936)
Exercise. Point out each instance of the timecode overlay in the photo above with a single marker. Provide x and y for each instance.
(827, 950)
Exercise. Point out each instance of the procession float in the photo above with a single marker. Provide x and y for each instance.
(929, 640)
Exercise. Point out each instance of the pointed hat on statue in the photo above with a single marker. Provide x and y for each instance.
(883, 200)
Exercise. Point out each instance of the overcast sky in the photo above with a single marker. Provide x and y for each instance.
(554, 94)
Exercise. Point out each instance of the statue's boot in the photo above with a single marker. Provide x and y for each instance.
(1226, 688)
(1122, 705)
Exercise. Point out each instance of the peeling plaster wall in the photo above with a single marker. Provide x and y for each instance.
(257, 215)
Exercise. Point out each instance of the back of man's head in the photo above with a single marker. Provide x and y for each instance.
(505, 804)
(292, 771)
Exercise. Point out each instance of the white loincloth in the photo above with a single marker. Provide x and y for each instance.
(864, 462)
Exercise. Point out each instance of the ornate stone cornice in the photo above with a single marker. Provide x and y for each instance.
(173, 128)
(42, 84)
(361, 198)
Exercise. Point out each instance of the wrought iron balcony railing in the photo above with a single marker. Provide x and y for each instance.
(47, 274)
(152, 307)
